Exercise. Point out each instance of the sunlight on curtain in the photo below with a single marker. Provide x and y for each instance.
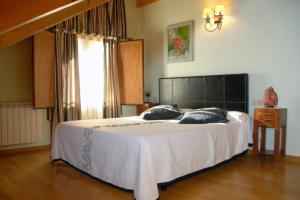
(91, 76)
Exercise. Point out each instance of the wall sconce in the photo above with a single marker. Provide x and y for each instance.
(213, 18)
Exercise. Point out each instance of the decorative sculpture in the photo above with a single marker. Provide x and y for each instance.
(270, 98)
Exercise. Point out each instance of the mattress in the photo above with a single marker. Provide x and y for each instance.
(135, 154)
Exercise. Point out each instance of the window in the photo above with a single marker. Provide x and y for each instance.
(91, 76)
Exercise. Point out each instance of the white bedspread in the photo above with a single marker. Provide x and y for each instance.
(135, 154)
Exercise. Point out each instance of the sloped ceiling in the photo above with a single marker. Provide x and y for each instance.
(21, 19)
(141, 3)
(14, 12)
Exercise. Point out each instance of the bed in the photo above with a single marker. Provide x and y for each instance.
(137, 155)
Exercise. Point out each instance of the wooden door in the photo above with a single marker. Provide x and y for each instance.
(131, 72)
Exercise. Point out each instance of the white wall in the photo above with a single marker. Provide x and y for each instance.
(260, 38)
(16, 72)
(134, 19)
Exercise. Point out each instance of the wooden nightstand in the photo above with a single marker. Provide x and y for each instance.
(141, 108)
(269, 118)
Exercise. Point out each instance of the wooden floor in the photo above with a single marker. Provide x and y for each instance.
(30, 176)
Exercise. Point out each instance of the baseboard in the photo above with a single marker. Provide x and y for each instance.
(25, 149)
(292, 158)
(288, 158)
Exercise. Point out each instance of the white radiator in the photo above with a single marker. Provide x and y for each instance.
(19, 123)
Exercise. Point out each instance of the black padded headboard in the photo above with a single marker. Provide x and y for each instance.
(228, 91)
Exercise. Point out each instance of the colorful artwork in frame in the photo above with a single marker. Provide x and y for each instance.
(180, 42)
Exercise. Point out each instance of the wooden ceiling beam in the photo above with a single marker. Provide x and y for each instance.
(28, 28)
(141, 3)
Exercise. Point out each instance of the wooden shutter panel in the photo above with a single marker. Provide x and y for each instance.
(131, 72)
(44, 65)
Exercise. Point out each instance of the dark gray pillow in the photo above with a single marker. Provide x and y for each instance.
(202, 116)
(160, 112)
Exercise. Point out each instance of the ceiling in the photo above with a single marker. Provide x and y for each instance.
(141, 3)
(21, 19)
(14, 12)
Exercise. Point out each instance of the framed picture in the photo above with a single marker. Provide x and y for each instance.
(180, 42)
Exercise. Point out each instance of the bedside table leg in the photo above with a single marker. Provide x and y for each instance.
(263, 139)
(283, 140)
(276, 143)
(255, 141)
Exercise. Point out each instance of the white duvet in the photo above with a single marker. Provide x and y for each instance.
(135, 154)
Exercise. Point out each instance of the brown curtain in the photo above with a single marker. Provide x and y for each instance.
(118, 19)
(92, 22)
(107, 20)
(118, 30)
(112, 90)
(67, 78)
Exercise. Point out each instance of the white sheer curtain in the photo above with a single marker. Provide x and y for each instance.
(91, 76)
